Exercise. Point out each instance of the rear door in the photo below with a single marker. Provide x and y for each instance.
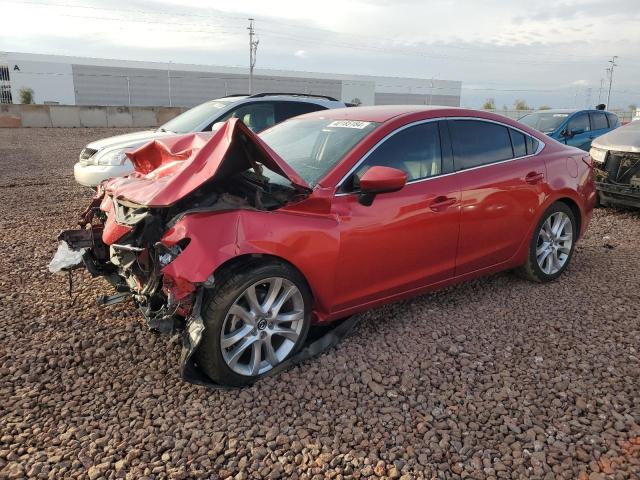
(502, 188)
(406, 239)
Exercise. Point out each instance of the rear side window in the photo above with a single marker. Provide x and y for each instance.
(286, 110)
(613, 120)
(598, 120)
(477, 143)
(519, 143)
(532, 145)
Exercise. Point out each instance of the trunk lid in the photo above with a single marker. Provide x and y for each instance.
(168, 169)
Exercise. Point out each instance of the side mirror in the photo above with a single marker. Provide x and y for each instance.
(566, 133)
(380, 180)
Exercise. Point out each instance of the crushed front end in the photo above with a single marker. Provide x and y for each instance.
(127, 233)
(122, 243)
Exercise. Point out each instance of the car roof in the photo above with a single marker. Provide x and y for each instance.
(301, 98)
(569, 110)
(560, 110)
(380, 113)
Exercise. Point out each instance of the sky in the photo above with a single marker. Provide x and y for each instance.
(552, 53)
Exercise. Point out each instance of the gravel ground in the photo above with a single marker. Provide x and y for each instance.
(497, 378)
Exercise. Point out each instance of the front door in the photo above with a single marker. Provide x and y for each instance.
(578, 131)
(405, 239)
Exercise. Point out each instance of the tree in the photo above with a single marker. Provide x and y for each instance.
(489, 104)
(545, 107)
(26, 95)
(633, 107)
(356, 101)
(520, 105)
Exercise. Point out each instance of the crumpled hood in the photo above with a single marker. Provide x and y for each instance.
(127, 140)
(622, 139)
(168, 169)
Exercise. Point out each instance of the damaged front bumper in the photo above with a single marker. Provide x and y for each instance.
(613, 194)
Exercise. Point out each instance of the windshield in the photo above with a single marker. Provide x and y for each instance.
(192, 120)
(313, 146)
(544, 122)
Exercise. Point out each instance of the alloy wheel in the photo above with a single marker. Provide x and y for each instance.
(555, 240)
(262, 326)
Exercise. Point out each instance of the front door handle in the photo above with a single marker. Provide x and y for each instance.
(534, 177)
(442, 202)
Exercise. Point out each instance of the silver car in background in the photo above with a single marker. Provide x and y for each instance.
(107, 158)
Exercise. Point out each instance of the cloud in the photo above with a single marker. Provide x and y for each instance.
(301, 54)
(580, 83)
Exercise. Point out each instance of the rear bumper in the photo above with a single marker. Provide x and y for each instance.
(93, 175)
(623, 195)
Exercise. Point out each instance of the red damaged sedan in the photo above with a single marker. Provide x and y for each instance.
(246, 241)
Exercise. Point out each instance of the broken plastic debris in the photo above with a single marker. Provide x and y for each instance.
(65, 258)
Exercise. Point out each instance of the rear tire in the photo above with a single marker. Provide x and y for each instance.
(551, 246)
(255, 318)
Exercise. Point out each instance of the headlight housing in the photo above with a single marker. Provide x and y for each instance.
(112, 157)
(598, 154)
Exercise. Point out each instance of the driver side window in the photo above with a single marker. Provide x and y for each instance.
(579, 123)
(256, 116)
(414, 150)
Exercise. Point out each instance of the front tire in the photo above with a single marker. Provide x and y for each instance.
(255, 318)
(552, 245)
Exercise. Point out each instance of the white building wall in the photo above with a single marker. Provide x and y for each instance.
(50, 81)
(361, 90)
(71, 80)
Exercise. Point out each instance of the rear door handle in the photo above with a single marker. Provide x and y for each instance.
(534, 177)
(442, 202)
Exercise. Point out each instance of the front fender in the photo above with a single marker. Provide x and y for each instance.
(307, 241)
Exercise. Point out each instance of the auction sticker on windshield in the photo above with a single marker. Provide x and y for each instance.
(348, 124)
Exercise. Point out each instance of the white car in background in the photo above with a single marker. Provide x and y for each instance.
(107, 158)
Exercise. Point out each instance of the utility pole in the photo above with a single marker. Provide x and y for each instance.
(169, 83)
(610, 70)
(253, 48)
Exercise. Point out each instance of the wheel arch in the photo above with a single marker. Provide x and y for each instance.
(575, 209)
(243, 261)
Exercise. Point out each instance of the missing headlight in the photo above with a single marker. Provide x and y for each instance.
(167, 254)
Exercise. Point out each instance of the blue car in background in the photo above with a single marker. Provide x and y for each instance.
(572, 127)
